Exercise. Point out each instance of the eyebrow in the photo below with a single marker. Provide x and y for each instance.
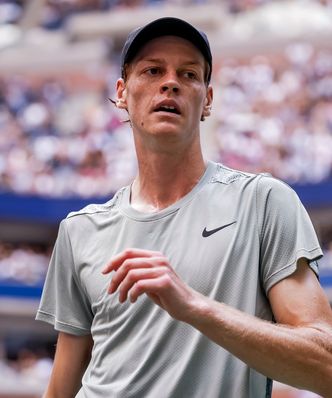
(162, 60)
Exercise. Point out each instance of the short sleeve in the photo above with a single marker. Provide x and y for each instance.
(286, 232)
(64, 303)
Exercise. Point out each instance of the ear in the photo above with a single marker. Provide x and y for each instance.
(121, 101)
(207, 103)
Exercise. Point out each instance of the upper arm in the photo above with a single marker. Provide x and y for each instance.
(299, 300)
(71, 359)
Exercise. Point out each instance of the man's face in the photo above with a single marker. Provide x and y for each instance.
(165, 92)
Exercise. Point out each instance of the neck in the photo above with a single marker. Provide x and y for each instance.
(164, 178)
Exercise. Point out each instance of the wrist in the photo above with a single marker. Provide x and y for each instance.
(200, 308)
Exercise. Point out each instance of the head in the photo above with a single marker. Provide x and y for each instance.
(166, 70)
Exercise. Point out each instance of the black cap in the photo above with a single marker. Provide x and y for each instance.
(164, 27)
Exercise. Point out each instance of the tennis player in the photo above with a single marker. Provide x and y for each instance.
(196, 281)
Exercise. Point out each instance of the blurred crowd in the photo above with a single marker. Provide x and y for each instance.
(24, 263)
(63, 137)
(25, 365)
(236, 6)
(275, 114)
(55, 13)
(61, 140)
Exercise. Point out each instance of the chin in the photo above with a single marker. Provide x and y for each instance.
(166, 128)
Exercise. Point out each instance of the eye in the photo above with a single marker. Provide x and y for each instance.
(190, 75)
(152, 71)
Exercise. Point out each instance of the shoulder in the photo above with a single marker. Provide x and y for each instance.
(262, 181)
(94, 208)
(271, 188)
(82, 225)
(262, 185)
(226, 175)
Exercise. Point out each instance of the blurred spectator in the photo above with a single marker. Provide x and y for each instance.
(56, 12)
(236, 6)
(10, 11)
(23, 263)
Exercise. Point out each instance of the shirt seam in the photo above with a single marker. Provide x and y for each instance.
(125, 214)
(110, 204)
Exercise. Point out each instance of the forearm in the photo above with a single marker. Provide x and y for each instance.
(299, 356)
(63, 383)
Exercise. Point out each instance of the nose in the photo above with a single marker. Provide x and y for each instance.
(170, 83)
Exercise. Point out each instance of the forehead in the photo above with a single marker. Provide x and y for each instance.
(169, 46)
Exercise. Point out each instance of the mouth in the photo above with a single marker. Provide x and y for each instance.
(173, 109)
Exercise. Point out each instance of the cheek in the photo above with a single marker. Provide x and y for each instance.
(137, 98)
(198, 103)
(138, 105)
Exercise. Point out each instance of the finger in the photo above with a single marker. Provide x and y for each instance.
(128, 265)
(136, 276)
(151, 287)
(119, 258)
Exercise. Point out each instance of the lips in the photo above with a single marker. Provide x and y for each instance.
(168, 106)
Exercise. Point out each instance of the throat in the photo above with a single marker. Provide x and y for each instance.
(152, 203)
(149, 196)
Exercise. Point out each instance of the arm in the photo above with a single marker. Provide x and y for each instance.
(296, 351)
(71, 359)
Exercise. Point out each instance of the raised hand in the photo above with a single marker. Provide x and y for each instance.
(138, 271)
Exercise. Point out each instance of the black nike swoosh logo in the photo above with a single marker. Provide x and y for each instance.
(207, 233)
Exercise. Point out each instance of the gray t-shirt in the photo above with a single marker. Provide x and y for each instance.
(139, 350)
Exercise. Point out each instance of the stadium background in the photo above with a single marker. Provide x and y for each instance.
(63, 145)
